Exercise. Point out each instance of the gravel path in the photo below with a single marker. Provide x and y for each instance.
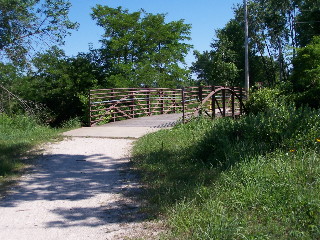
(80, 189)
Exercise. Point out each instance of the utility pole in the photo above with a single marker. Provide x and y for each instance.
(246, 44)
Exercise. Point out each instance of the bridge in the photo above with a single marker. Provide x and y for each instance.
(132, 113)
(118, 104)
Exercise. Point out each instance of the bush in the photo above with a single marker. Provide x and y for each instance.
(264, 100)
(283, 128)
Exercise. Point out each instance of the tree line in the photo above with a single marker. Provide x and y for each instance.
(141, 49)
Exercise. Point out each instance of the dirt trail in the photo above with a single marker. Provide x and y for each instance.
(80, 189)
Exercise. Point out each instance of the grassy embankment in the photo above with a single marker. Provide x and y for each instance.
(253, 178)
(18, 135)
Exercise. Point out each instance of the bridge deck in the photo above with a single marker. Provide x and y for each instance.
(155, 121)
(131, 128)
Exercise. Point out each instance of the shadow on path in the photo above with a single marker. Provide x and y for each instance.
(68, 190)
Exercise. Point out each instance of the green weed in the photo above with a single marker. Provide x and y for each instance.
(252, 178)
(19, 134)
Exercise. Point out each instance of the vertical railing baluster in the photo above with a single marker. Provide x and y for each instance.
(148, 103)
(213, 103)
(132, 107)
(200, 92)
(241, 101)
(223, 102)
(232, 101)
(162, 102)
(113, 114)
(183, 106)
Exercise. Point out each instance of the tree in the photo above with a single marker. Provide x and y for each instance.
(276, 30)
(224, 64)
(308, 22)
(213, 69)
(220, 66)
(141, 49)
(8, 75)
(306, 74)
(279, 27)
(64, 83)
(27, 25)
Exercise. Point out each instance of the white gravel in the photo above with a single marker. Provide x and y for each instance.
(80, 189)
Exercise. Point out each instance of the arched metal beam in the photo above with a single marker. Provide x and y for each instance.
(213, 93)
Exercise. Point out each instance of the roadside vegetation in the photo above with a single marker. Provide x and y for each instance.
(256, 177)
(18, 135)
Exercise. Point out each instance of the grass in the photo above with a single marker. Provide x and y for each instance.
(18, 135)
(252, 178)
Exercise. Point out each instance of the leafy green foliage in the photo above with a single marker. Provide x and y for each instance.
(25, 24)
(212, 69)
(276, 29)
(264, 100)
(251, 178)
(141, 48)
(223, 64)
(308, 22)
(306, 74)
(64, 84)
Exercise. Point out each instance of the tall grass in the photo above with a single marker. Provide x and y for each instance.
(18, 134)
(252, 178)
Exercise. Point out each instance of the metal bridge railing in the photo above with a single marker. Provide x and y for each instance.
(116, 104)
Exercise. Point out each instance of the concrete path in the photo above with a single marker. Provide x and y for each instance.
(82, 188)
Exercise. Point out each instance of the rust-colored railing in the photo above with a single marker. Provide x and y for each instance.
(124, 103)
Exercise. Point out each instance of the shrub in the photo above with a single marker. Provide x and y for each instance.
(264, 100)
(18, 134)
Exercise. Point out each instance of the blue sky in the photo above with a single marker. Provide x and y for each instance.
(204, 15)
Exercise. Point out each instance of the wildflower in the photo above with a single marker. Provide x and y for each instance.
(292, 150)
(318, 140)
